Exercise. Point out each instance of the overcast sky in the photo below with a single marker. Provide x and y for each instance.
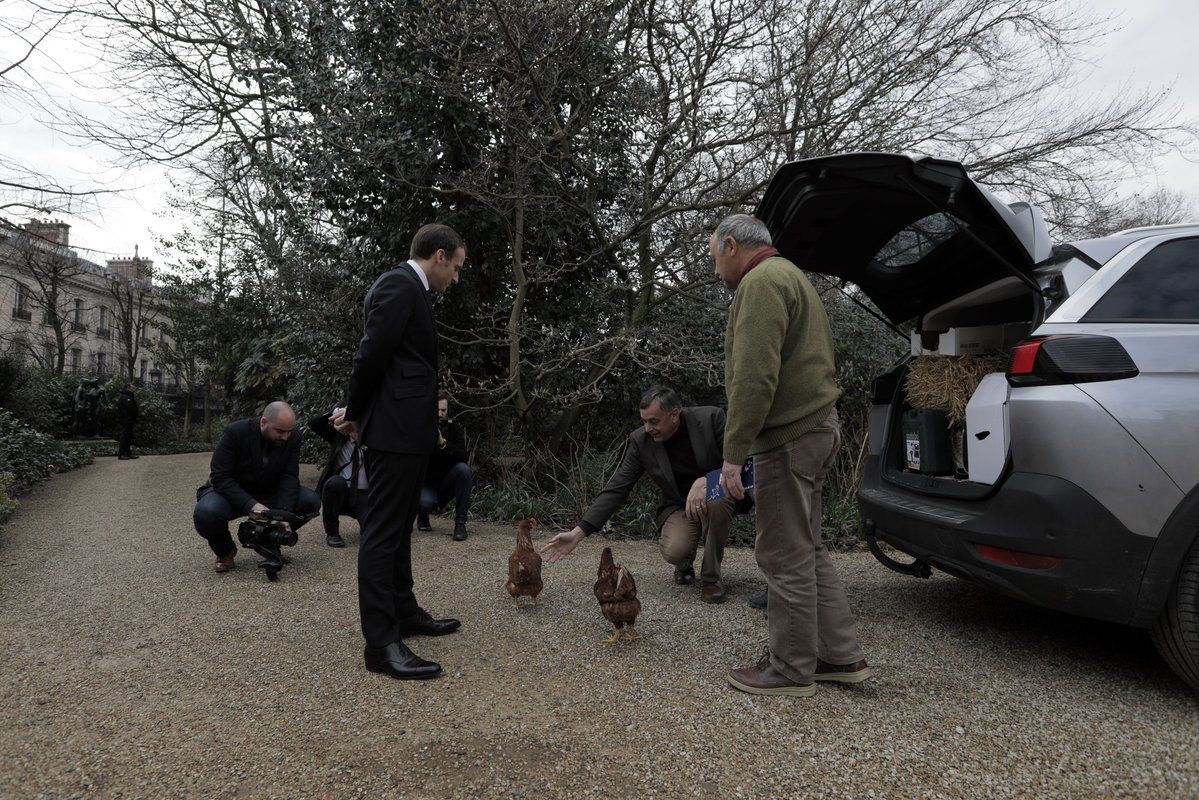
(1153, 46)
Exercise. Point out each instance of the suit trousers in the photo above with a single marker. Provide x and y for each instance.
(337, 500)
(809, 611)
(385, 596)
(681, 537)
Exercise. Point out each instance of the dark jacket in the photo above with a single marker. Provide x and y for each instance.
(393, 385)
(245, 468)
(322, 427)
(442, 460)
(644, 456)
(127, 409)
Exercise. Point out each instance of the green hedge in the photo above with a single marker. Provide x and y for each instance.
(28, 457)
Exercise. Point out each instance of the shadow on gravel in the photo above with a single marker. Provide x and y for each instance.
(1039, 638)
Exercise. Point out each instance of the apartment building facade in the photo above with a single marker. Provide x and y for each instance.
(102, 311)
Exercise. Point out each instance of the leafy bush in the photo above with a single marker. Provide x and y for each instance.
(557, 490)
(8, 505)
(31, 456)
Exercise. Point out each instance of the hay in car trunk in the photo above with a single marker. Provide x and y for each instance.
(946, 383)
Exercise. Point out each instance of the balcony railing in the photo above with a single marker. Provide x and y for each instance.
(22, 313)
(78, 327)
(104, 333)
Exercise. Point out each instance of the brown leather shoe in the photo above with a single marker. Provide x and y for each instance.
(712, 593)
(765, 679)
(225, 563)
(843, 673)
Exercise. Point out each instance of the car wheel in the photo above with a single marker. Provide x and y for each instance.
(1176, 633)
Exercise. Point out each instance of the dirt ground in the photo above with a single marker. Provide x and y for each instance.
(130, 669)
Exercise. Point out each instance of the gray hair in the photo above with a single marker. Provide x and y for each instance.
(668, 398)
(745, 229)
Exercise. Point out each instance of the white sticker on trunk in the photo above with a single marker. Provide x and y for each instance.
(913, 443)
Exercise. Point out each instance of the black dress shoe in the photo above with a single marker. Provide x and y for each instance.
(427, 626)
(422, 523)
(399, 662)
(131, 455)
(460, 533)
(335, 540)
(684, 576)
(761, 600)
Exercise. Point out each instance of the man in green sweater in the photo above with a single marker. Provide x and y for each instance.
(782, 393)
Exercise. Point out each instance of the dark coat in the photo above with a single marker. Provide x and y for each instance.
(245, 469)
(393, 385)
(442, 460)
(644, 456)
(127, 409)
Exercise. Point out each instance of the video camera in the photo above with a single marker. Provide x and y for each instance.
(265, 536)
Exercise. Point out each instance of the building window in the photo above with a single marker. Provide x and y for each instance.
(47, 355)
(102, 363)
(77, 320)
(141, 376)
(102, 329)
(76, 360)
(21, 308)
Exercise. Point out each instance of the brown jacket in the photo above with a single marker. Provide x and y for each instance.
(642, 455)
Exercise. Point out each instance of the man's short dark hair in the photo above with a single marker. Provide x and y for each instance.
(433, 237)
(443, 396)
(668, 398)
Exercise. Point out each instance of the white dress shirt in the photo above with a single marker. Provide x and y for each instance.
(420, 273)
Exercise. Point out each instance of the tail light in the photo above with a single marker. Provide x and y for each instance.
(1071, 358)
(1015, 558)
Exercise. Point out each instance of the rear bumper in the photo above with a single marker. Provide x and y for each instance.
(1102, 562)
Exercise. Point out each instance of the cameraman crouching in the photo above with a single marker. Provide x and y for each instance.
(256, 467)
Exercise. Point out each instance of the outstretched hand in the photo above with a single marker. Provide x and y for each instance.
(562, 544)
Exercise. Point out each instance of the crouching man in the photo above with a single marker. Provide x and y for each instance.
(448, 476)
(256, 468)
(342, 484)
(676, 447)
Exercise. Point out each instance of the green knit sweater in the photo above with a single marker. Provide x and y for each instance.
(778, 361)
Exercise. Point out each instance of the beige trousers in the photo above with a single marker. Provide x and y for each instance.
(809, 614)
(681, 538)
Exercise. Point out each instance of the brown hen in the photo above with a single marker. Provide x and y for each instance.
(524, 565)
(617, 594)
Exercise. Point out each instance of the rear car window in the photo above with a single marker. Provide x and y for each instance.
(917, 240)
(1161, 287)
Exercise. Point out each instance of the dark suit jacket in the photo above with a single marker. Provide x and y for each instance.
(245, 469)
(443, 460)
(644, 456)
(393, 386)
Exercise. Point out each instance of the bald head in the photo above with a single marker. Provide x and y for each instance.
(278, 423)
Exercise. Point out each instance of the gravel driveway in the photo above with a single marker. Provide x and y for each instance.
(130, 669)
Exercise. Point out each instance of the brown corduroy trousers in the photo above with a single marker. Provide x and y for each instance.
(809, 614)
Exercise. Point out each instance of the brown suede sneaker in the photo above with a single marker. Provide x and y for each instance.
(225, 563)
(765, 679)
(842, 673)
(712, 593)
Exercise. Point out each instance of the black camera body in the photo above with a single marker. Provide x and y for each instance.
(266, 535)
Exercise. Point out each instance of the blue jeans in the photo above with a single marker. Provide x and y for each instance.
(456, 484)
(213, 514)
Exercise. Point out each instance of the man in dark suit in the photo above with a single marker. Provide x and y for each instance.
(448, 476)
(342, 484)
(392, 408)
(676, 447)
(127, 412)
(255, 468)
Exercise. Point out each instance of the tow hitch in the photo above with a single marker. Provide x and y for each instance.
(918, 568)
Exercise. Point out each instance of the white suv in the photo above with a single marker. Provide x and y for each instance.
(1074, 483)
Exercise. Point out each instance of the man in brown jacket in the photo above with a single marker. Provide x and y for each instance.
(676, 448)
(781, 384)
